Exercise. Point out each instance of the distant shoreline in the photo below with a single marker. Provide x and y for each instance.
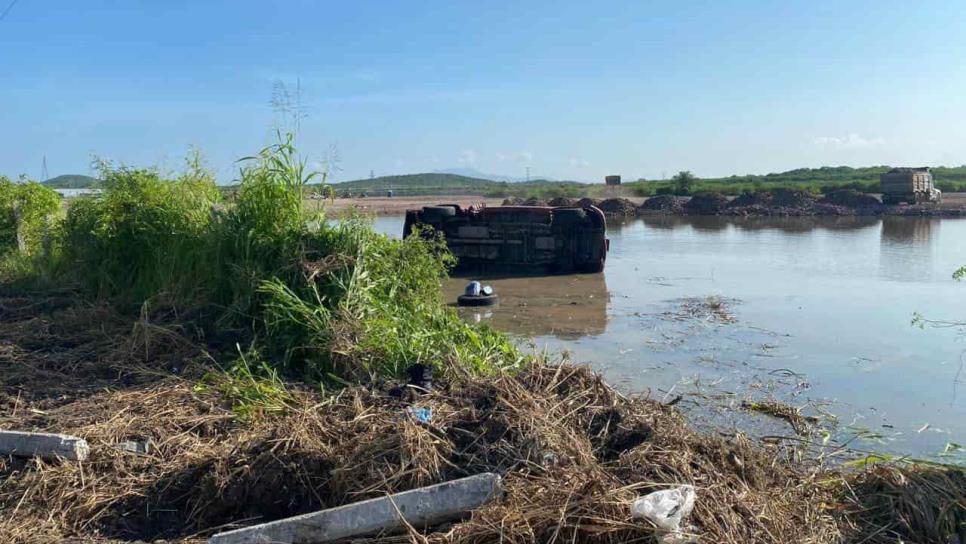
(953, 205)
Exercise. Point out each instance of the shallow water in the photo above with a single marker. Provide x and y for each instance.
(822, 311)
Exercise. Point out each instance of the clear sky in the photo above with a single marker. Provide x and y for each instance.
(574, 90)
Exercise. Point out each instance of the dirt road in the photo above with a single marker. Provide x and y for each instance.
(399, 204)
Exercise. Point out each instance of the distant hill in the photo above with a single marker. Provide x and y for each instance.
(418, 184)
(437, 183)
(72, 181)
(473, 173)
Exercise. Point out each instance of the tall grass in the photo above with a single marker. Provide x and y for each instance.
(334, 303)
(144, 237)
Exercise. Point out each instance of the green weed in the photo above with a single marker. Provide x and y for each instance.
(250, 385)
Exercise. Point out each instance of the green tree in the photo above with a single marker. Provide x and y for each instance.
(683, 182)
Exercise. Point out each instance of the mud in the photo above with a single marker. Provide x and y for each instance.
(565, 307)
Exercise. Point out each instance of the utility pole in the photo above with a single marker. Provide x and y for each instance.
(528, 173)
(44, 175)
(372, 174)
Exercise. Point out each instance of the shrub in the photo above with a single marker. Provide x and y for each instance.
(143, 237)
(373, 306)
(26, 213)
(334, 303)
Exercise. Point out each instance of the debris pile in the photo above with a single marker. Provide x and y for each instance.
(663, 203)
(574, 455)
(706, 204)
(851, 198)
(618, 207)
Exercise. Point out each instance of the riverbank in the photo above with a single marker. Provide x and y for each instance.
(794, 204)
(778, 203)
(226, 452)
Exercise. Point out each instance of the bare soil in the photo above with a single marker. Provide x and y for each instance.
(398, 205)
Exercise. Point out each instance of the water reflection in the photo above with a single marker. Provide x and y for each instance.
(822, 307)
(907, 249)
(666, 222)
(708, 223)
(567, 307)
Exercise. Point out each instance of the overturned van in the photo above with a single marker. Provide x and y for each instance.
(519, 239)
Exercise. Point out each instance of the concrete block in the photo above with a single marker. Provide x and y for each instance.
(44, 445)
(420, 508)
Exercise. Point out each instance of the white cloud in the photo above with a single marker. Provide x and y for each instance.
(521, 157)
(851, 141)
(578, 163)
(467, 157)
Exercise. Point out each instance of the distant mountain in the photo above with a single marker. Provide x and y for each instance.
(473, 173)
(72, 181)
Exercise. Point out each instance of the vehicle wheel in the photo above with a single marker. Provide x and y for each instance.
(569, 216)
(435, 213)
(477, 300)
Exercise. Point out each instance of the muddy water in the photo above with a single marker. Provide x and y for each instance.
(813, 312)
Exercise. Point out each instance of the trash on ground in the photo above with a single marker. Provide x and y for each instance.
(667, 509)
(422, 415)
(137, 447)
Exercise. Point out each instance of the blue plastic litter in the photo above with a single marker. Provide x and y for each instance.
(422, 415)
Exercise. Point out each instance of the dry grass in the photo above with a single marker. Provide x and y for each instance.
(572, 450)
(917, 503)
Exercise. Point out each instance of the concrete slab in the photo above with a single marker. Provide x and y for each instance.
(44, 445)
(420, 508)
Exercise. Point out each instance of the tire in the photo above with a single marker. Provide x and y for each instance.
(436, 213)
(477, 300)
(568, 216)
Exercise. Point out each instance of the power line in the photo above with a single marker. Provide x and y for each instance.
(6, 11)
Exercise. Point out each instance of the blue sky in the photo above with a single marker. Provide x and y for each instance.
(573, 90)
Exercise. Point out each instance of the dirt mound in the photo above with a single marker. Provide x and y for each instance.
(587, 202)
(618, 206)
(706, 204)
(758, 198)
(796, 198)
(851, 198)
(562, 201)
(666, 203)
(534, 201)
(513, 201)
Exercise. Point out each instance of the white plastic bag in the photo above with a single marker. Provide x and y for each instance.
(667, 509)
